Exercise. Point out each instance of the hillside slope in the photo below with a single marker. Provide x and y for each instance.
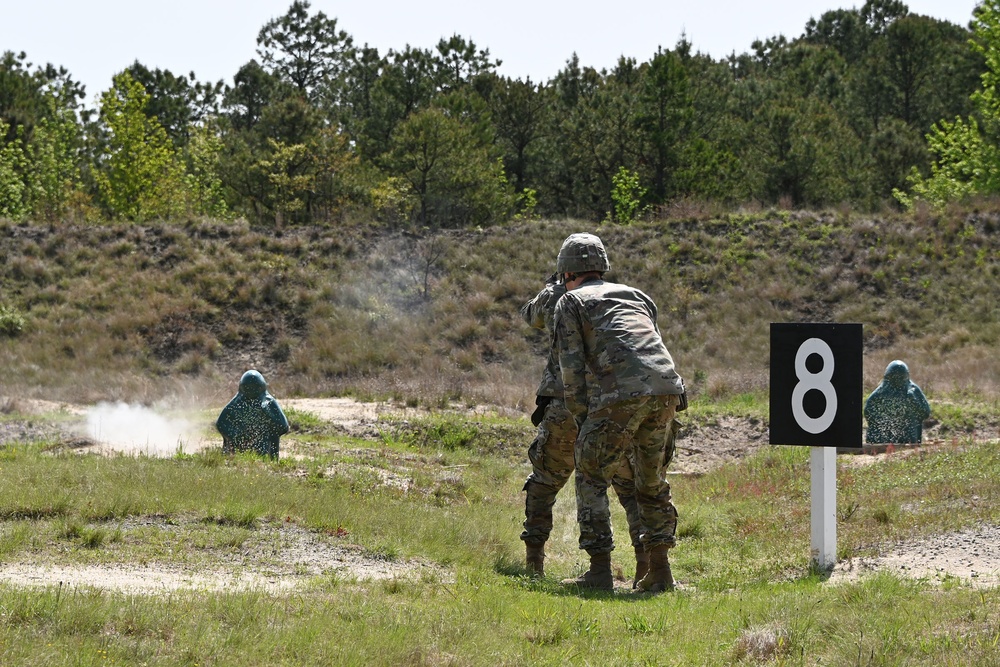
(143, 312)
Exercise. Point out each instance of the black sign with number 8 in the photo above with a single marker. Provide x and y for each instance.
(816, 385)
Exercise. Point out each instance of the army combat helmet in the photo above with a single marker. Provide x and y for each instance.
(581, 253)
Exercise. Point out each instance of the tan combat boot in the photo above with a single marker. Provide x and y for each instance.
(534, 561)
(641, 565)
(598, 577)
(658, 578)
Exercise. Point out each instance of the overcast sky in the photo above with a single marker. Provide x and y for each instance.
(94, 39)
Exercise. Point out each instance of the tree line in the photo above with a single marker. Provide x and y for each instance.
(868, 106)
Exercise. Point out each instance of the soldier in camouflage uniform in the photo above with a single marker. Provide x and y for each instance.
(551, 452)
(252, 421)
(623, 392)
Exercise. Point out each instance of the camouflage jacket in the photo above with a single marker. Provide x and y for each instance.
(609, 348)
(538, 313)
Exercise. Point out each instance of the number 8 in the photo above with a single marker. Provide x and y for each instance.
(818, 381)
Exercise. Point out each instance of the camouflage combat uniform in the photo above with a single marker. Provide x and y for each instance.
(622, 389)
(551, 452)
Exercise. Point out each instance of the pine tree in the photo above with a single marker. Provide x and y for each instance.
(141, 176)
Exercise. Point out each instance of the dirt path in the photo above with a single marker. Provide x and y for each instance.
(347, 412)
(971, 556)
(274, 559)
(709, 446)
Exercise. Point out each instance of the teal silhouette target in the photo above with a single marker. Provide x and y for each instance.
(896, 410)
(252, 421)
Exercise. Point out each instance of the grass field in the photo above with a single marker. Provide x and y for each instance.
(747, 594)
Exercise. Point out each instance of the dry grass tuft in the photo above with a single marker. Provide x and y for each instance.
(761, 645)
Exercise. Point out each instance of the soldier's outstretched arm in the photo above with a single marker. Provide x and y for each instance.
(533, 312)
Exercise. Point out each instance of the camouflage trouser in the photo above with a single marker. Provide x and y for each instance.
(641, 432)
(551, 455)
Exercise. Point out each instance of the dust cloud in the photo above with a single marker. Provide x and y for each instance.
(134, 429)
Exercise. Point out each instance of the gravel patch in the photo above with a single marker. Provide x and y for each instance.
(971, 556)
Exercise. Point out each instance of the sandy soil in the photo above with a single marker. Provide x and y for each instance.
(276, 559)
(705, 448)
(972, 556)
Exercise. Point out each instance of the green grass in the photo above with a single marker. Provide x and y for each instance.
(748, 596)
(490, 620)
(753, 405)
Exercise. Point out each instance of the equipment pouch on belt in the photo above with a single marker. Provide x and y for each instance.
(541, 402)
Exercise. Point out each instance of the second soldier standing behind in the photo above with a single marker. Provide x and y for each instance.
(623, 391)
(551, 452)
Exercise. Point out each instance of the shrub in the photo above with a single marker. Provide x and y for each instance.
(11, 321)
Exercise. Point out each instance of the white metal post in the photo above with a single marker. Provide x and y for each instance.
(824, 506)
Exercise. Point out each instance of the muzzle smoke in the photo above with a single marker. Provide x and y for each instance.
(134, 429)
